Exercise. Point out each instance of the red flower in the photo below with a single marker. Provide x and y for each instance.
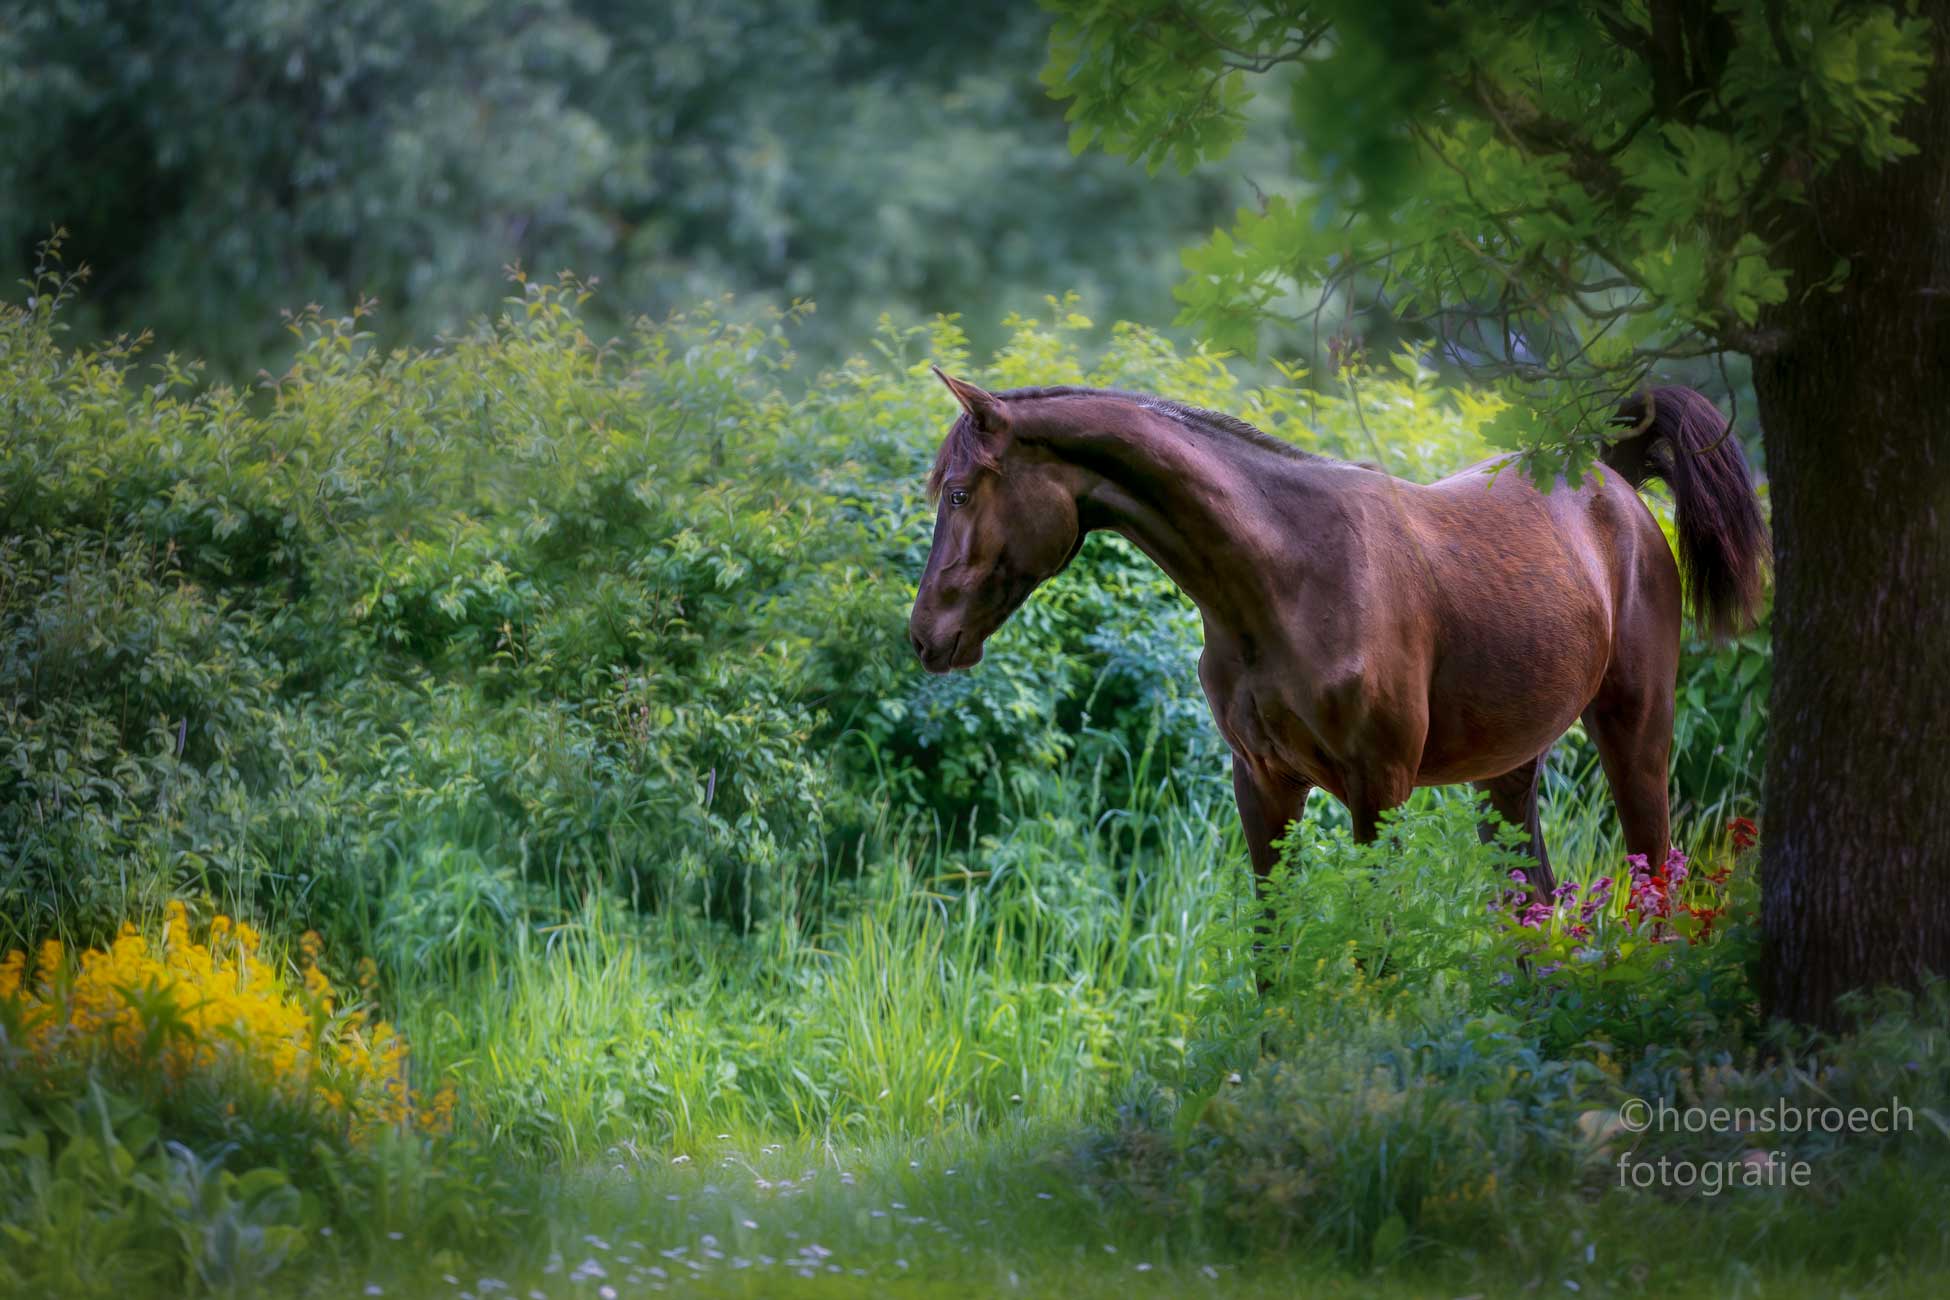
(1744, 833)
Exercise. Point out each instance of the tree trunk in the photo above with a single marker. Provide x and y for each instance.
(1856, 412)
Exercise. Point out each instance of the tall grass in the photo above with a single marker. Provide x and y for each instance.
(1029, 971)
(927, 994)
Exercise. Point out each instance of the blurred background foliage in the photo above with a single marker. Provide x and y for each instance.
(217, 161)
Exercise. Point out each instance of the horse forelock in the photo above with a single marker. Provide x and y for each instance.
(962, 448)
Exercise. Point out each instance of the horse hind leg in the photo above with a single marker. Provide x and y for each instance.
(1513, 797)
(1631, 723)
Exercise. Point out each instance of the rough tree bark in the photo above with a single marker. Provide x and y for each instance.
(1856, 409)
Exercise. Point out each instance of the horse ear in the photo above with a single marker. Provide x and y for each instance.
(985, 408)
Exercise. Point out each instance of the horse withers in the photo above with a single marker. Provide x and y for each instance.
(1365, 634)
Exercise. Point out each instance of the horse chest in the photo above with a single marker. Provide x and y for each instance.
(1263, 720)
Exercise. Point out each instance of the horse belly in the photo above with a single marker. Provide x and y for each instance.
(1503, 696)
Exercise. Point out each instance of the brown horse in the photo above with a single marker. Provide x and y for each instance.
(1365, 634)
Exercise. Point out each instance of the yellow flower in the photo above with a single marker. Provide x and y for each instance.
(12, 967)
(229, 1014)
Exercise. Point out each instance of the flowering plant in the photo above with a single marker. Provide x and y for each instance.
(215, 1010)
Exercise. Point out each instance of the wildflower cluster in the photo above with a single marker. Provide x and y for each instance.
(215, 1010)
(1563, 909)
(1659, 893)
(1646, 901)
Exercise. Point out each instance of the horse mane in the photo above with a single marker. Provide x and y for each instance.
(964, 444)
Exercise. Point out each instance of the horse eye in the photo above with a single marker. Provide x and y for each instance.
(959, 497)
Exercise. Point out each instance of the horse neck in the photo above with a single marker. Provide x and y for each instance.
(1199, 502)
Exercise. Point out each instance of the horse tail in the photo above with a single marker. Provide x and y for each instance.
(1679, 435)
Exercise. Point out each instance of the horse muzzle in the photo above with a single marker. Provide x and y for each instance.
(942, 655)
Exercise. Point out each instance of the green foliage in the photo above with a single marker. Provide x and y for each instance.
(1407, 904)
(104, 1193)
(1561, 200)
(220, 160)
(1428, 909)
(1418, 1135)
(941, 996)
(1399, 1087)
(86, 1216)
(1370, 1130)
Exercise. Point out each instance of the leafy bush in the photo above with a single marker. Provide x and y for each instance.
(1425, 1030)
(1371, 1125)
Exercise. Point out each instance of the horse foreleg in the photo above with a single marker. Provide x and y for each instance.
(1266, 809)
(1513, 796)
(1373, 792)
